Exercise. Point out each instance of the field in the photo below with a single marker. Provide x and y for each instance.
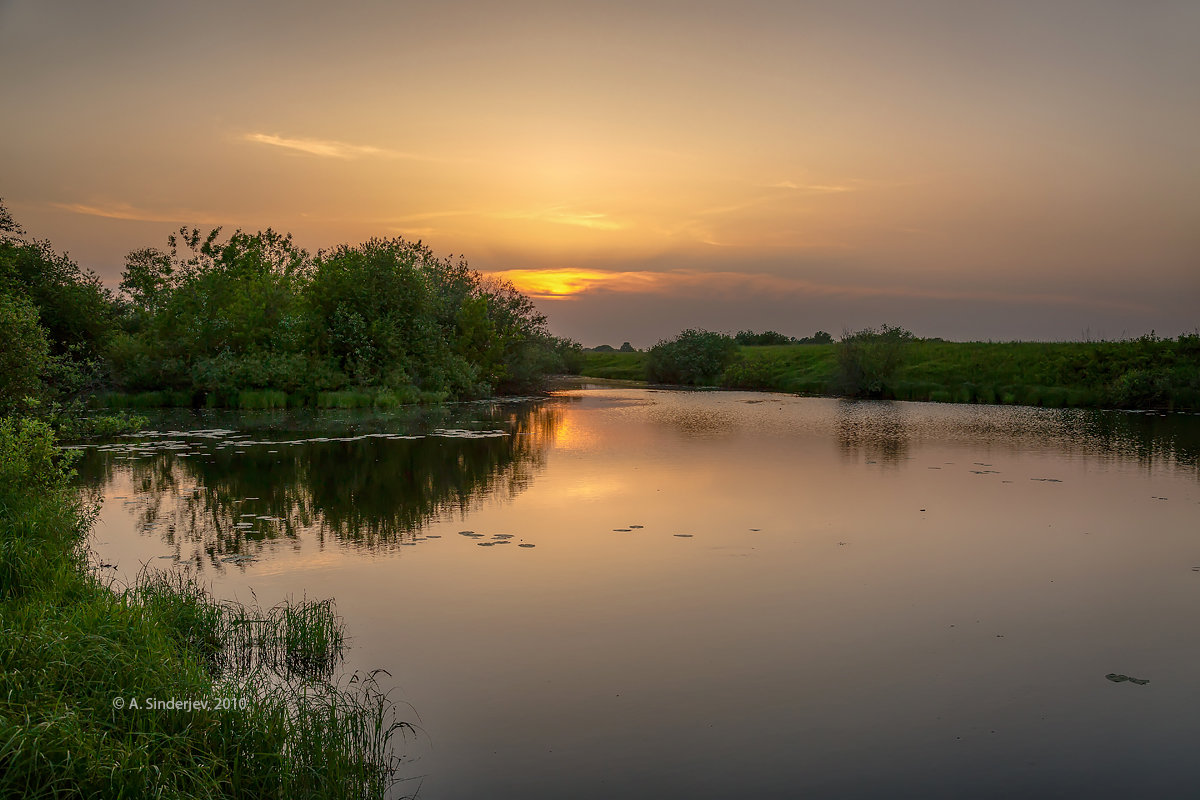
(1140, 373)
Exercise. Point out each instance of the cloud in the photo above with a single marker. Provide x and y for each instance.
(327, 148)
(564, 284)
(816, 188)
(560, 215)
(125, 211)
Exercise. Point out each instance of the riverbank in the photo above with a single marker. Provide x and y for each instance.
(259, 399)
(157, 689)
(1141, 373)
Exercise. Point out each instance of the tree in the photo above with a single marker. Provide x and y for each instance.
(24, 355)
(694, 357)
(868, 359)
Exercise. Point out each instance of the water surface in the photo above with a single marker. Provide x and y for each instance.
(727, 594)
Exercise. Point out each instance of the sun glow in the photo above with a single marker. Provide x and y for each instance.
(562, 282)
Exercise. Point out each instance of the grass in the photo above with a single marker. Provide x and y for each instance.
(617, 365)
(1139, 373)
(265, 399)
(70, 644)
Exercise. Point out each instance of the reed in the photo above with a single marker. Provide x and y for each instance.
(72, 644)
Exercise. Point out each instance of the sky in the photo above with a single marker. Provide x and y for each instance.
(969, 170)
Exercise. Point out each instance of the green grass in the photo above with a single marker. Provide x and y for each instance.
(262, 398)
(615, 365)
(1139, 373)
(70, 644)
(158, 399)
(265, 399)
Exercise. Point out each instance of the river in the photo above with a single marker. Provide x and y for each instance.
(626, 592)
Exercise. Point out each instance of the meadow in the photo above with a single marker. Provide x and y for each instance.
(1148, 372)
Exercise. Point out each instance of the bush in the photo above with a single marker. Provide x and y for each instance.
(25, 353)
(868, 359)
(752, 339)
(693, 358)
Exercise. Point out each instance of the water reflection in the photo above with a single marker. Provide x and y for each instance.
(873, 429)
(885, 431)
(216, 496)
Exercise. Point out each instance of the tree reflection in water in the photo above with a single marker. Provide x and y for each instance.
(372, 482)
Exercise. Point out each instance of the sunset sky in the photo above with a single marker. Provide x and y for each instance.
(969, 170)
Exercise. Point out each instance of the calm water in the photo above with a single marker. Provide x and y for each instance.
(805, 597)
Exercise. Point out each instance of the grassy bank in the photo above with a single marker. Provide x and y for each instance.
(73, 649)
(258, 399)
(615, 365)
(1139, 373)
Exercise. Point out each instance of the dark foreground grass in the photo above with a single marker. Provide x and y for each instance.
(1139, 373)
(72, 649)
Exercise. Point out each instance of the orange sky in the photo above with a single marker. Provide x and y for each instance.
(967, 170)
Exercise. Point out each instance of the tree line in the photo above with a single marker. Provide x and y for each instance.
(210, 316)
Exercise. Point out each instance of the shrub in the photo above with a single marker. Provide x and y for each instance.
(694, 357)
(868, 359)
(25, 352)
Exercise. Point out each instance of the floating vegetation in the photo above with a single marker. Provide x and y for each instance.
(502, 536)
(622, 530)
(526, 544)
(636, 526)
(460, 433)
(1117, 678)
(683, 535)
(486, 544)
(1047, 480)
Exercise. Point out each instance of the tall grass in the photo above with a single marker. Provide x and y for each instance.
(261, 398)
(71, 645)
(264, 399)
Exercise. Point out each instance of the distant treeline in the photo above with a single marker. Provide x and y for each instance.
(891, 363)
(744, 338)
(252, 319)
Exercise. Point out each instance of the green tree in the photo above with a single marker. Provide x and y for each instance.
(25, 353)
(868, 359)
(74, 312)
(694, 357)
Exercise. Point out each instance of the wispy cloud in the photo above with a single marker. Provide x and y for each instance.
(816, 188)
(328, 148)
(561, 215)
(126, 211)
